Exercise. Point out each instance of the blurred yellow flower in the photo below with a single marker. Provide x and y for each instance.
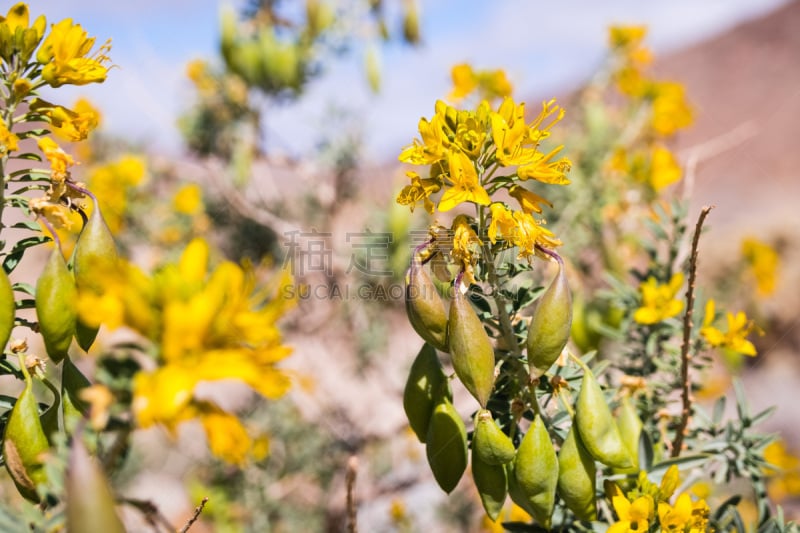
(205, 326)
(112, 184)
(64, 55)
(671, 111)
(664, 168)
(464, 81)
(510, 513)
(735, 338)
(658, 301)
(784, 476)
(764, 263)
(490, 84)
(419, 190)
(189, 199)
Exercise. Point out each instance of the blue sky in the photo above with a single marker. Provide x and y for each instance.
(545, 47)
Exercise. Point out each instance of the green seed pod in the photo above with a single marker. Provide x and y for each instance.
(576, 477)
(470, 348)
(492, 484)
(425, 386)
(8, 309)
(446, 446)
(56, 298)
(90, 502)
(24, 442)
(95, 255)
(489, 443)
(598, 431)
(425, 307)
(550, 325)
(630, 429)
(536, 471)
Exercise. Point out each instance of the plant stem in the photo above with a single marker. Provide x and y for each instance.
(686, 398)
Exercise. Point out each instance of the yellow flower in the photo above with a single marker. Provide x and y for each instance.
(64, 54)
(68, 124)
(112, 184)
(433, 147)
(510, 134)
(739, 327)
(684, 516)
(764, 263)
(541, 168)
(188, 200)
(464, 81)
(520, 229)
(9, 142)
(528, 201)
(197, 71)
(632, 516)
(420, 189)
(60, 161)
(621, 36)
(466, 187)
(664, 168)
(658, 301)
(784, 473)
(466, 247)
(671, 111)
(18, 39)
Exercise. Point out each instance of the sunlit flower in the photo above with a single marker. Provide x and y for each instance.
(20, 39)
(419, 190)
(520, 229)
(684, 516)
(658, 301)
(70, 125)
(464, 81)
(543, 168)
(465, 184)
(764, 263)
(784, 472)
(664, 168)
(433, 147)
(189, 199)
(632, 516)
(510, 134)
(65, 56)
(60, 161)
(529, 202)
(735, 338)
(112, 184)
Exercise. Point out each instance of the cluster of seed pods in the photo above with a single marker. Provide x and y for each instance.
(534, 473)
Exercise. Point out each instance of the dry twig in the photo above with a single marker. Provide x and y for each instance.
(195, 516)
(350, 481)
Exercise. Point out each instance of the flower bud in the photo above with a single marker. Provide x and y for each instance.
(425, 387)
(536, 472)
(598, 431)
(425, 307)
(470, 348)
(56, 298)
(576, 477)
(446, 445)
(550, 325)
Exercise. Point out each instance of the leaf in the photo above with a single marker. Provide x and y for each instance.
(27, 224)
(646, 454)
(685, 461)
(13, 258)
(719, 410)
(763, 415)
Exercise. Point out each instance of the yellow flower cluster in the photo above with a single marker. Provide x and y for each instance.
(112, 184)
(206, 326)
(735, 338)
(659, 301)
(647, 504)
(474, 154)
(784, 478)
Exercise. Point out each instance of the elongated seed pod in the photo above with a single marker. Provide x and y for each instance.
(470, 348)
(24, 442)
(425, 386)
(56, 298)
(492, 484)
(424, 306)
(8, 309)
(90, 502)
(446, 446)
(536, 471)
(598, 431)
(95, 254)
(576, 477)
(630, 429)
(72, 382)
(489, 443)
(550, 325)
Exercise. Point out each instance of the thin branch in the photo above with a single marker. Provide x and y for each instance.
(195, 516)
(686, 397)
(350, 481)
(149, 511)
